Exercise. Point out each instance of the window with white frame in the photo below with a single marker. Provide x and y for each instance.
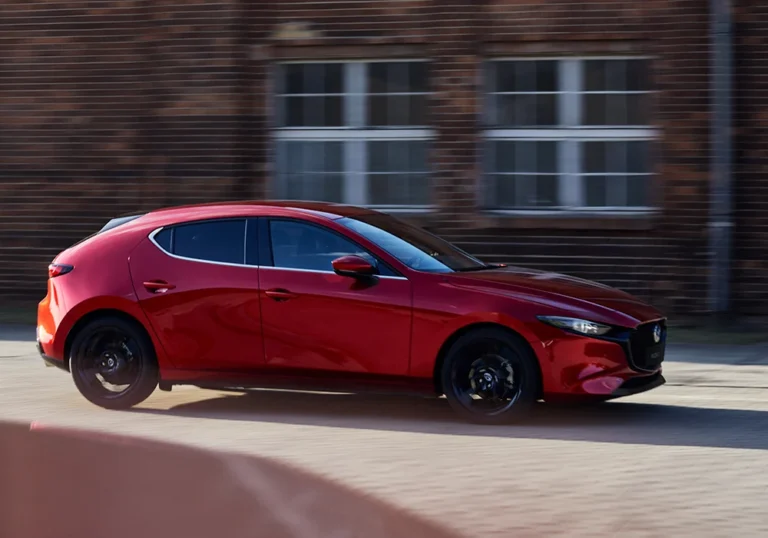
(568, 133)
(354, 132)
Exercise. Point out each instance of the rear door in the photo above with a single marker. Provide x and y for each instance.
(200, 295)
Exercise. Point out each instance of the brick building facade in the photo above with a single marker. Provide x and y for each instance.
(569, 135)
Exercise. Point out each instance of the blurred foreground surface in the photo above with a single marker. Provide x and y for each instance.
(59, 482)
(688, 459)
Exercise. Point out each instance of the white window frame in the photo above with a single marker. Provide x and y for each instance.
(355, 134)
(569, 133)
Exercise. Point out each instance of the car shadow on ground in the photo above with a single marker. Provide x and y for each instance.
(613, 422)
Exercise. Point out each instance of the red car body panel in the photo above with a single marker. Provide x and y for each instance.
(235, 325)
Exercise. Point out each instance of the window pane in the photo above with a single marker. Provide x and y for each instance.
(594, 75)
(378, 156)
(398, 156)
(506, 188)
(616, 157)
(505, 76)
(546, 76)
(383, 189)
(504, 156)
(314, 115)
(294, 111)
(418, 189)
(594, 109)
(377, 77)
(377, 110)
(333, 111)
(220, 241)
(546, 191)
(333, 152)
(595, 190)
(294, 78)
(637, 191)
(638, 77)
(594, 157)
(417, 75)
(302, 246)
(615, 76)
(163, 239)
(638, 158)
(417, 156)
(546, 110)
(334, 78)
(314, 81)
(525, 81)
(397, 77)
(418, 110)
(398, 110)
(616, 109)
(525, 156)
(546, 157)
(638, 111)
(294, 153)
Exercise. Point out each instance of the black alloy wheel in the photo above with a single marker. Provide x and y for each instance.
(491, 377)
(113, 363)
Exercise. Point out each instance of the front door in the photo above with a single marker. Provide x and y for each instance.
(199, 295)
(314, 319)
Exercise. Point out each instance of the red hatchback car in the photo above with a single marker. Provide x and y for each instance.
(318, 296)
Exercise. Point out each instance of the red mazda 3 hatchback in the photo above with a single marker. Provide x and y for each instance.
(316, 296)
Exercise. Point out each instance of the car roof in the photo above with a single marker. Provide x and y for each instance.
(326, 210)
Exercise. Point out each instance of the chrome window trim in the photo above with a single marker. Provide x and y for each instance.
(226, 264)
(184, 258)
(318, 271)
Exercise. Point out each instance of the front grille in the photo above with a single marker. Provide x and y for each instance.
(645, 353)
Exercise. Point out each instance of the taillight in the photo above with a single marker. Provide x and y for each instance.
(58, 269)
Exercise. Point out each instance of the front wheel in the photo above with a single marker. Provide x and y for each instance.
(113, 363)
(491, 377)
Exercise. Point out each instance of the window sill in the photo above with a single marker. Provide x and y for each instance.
(569, 220)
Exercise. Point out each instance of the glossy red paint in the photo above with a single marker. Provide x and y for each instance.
(352, 266)
(216, 324)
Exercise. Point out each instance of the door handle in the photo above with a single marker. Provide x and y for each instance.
(279, 294)
(158, 286)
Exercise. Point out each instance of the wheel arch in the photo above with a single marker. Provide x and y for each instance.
(101, 313)
(443, 352)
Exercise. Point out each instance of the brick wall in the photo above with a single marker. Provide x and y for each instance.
(111, 107)
(751, 157)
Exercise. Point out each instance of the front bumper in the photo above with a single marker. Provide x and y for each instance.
(636, 385)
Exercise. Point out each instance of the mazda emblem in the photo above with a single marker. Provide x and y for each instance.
(657, 333)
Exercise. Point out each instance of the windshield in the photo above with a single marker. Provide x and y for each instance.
(416, 248)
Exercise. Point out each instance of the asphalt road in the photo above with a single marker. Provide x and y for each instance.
(689, 459)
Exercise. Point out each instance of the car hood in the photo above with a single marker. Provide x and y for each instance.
(576, 295)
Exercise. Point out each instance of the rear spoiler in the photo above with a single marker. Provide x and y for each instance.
(114, 223)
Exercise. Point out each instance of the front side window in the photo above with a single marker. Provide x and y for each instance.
(568, 134)
(213, 241)
(354, 132)
(297, 245)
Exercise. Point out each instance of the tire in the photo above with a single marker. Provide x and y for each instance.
(495, 352)
(134, 358)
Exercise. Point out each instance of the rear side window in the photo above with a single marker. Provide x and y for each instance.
(214, 241)
(163, 239)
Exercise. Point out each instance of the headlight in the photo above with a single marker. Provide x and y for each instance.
(581, 326)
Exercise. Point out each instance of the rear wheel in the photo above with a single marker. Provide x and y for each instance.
(113, 363)
(490, 377)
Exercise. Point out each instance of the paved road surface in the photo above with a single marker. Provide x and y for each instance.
(689, 459)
